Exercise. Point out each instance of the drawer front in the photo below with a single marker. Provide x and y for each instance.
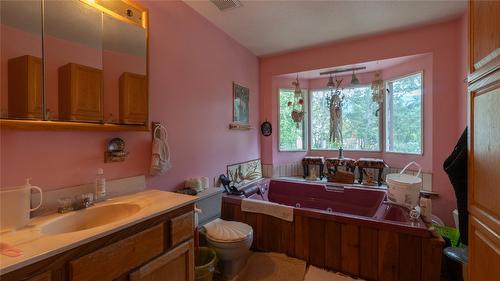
(114, 260)
(175, 265)
(181, 228)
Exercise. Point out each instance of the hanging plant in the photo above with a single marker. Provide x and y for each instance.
(297, 103)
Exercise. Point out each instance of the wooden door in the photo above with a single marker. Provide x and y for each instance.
(25, 87)
(133, 98)
(80, 93)
(484, 144)
(175, 265)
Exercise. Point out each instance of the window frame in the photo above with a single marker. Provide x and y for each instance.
(305, 134)
(422, 108)
(380, 127)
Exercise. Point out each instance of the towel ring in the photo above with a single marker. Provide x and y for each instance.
(160, 128)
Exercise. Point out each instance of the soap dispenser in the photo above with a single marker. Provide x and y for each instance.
(100, 185)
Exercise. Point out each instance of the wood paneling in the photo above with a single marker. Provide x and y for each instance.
(358, 250)
(80, 93)
(317, 242)
(112, 261)
(181, 228)
(350, 249)
(410, 257)
(133, 98)
(368, 254)
(175, 265)
(484, 140)
(332, 246)
(25, 87)
(388, 262)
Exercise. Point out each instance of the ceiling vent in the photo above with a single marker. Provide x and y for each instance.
(225, 5)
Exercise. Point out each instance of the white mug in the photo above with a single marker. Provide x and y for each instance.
(15, 206)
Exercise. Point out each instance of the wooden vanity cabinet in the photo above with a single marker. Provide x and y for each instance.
(80, 93)
(133, 98)
(144, 251)
(25, 87)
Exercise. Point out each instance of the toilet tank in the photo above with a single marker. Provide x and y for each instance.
(210, 202)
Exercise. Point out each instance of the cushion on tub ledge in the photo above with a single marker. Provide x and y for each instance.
(227, 231)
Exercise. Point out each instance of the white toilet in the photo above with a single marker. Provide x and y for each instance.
(231, 240)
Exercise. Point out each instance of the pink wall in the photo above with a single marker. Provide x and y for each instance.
(192, 66)
(21, 43)
(442, 40)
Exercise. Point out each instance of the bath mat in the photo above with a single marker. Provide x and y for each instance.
(318, 274)
(272, 267)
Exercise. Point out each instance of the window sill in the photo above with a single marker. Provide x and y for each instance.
(404, 153)
(336, 150)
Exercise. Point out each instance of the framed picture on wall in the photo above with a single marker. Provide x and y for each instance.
(241, 107)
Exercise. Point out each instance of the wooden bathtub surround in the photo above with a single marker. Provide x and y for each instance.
(149, 250)
(351, 246)
(484, 140)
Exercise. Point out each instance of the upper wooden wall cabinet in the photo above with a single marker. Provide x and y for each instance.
(133, 98)
(80, 93)
(25, 87)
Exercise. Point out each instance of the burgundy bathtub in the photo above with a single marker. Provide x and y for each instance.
(341, 228)
(340, 202)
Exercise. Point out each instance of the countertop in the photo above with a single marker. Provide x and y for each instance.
(37, 246)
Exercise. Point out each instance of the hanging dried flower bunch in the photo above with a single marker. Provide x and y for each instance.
(378, 88)
(297, 103)
(378, 91)
(335, 106)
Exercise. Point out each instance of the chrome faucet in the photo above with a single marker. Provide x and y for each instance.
(82, 201)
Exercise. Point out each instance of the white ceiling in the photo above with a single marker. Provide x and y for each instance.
(267, 27)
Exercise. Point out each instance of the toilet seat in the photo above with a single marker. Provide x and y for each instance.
(228, 231)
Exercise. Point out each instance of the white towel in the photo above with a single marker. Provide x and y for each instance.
(160, 157)
(283, 212)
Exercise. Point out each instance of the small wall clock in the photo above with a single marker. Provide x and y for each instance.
(266, 128)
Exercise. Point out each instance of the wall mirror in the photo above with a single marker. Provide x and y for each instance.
(87, 67)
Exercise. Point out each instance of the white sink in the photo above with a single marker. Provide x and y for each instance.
(90, 218)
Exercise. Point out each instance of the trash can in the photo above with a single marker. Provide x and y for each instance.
(205, 262)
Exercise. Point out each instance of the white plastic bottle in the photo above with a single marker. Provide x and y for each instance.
(100, 184)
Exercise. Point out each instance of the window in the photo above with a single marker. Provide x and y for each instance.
(404, 114)
(360, 125)
(291, 134)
